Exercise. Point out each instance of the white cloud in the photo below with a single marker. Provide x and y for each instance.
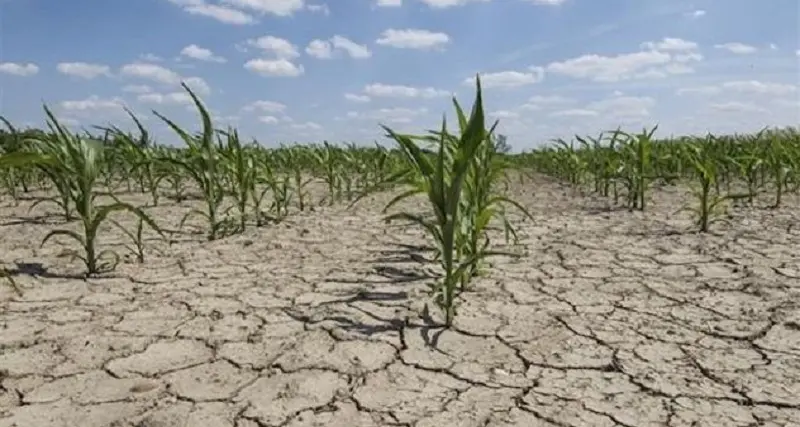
(160, 74)
(608, 68)
(270, 120)
(757, 87)
(273, 7)
(443, 4)
(547, 2)
(306, 126)
(737, 107)
(504, 114)
(281, 48)
(508, 79)
(671, 44)
(320, 49)
(92, 103)
(550, 100)
(616, 107)
(325, 49)
(356, 98)
(149, 57)
(624, 106)
(660, 59)
(319, 8)
(352, 48)
(137, 89)
(400, 91)
(393, 115)
(699, 13)
(83, 69)
(699, 90)
(15, 69)
(202, 54)
(151, 72)
(187, 2)
(388, 3)
(737, 48)
(752, 87)
(265, 107)
(413, 39)
(574, 112)
(222, 14)
(274, 67)
(687, 57)
(172, 98)
(538, 102)
(197, 85)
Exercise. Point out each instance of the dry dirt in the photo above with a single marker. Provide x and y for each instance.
(611, 318)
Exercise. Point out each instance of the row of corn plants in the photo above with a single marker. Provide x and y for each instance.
(719, 169)
(238, 184)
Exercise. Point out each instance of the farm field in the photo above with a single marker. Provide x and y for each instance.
(608, 306)
(614, 318)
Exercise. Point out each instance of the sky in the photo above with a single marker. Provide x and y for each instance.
(284, 71)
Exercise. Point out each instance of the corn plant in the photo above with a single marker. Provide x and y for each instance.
(710, 203)
(637, 168)
(58, 175)
(241, 173)
(296, 161)
(749, 160)
(76, 161)
(202, 165)
(136, 247)
(442, 177)
(140, 155)
(781, 162)
(281, 197)
(482, 203)
(175, 177)
(13, 175)
(327, 157)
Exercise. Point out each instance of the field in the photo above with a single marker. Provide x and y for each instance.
(254, 288)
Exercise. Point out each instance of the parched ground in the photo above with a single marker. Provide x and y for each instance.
(610, 319)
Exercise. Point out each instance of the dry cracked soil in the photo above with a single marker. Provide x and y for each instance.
(610, 318)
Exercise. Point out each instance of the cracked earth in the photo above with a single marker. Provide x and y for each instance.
(610, 318)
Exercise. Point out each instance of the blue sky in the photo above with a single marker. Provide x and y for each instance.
(308, 70)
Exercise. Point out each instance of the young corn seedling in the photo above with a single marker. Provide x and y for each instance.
(13, 176)
(441, 177)
(241, 172)
(58, 176)
(202, 165)
(482, 203)
(572, 166)
(141, 156)
(780, 163)
(137, 246)
(703, 159)
(174, 176)
(750, 163)
(77, 161)
(261, 186)
(328, 159)
(281, 197)
(637, 169)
